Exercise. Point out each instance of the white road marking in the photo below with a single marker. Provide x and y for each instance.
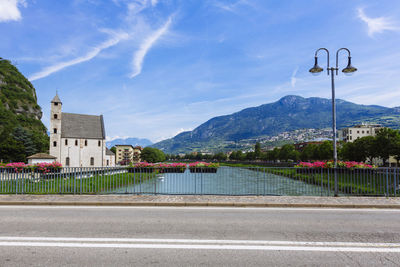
(200, 208)
(203, 241)
(206, 247)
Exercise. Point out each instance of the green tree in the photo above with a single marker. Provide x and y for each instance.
(386, 140)
(150, 154)
(286, 152)
(310, 152)
(257, 150)
(114, 149)
(220, 156)
(325, 151)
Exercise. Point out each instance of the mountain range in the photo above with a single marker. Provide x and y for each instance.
(287, 114)
(143, 142)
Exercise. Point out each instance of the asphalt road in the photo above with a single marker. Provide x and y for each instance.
(157, 236)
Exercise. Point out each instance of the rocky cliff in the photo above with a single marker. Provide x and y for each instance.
(21, 131)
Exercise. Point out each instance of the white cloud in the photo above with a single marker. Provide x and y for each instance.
(91, 54)
(9, 10)
(154, 2)
(233, 7)
(377, 25)
(145, 47)
(293, 79)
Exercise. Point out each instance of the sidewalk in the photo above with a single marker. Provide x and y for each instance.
(208, 200)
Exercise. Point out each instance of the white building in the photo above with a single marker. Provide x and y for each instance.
(351, 134)
(40, 158)
(78, 140)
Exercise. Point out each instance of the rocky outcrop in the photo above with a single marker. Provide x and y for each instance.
(20, 124)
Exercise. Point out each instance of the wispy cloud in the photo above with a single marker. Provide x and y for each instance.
(9, 10)
(90, 55)
(232, 7)
(293, 79)
(377, 25)
(139, 56)
(154, 2)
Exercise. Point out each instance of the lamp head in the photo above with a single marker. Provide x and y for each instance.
(349, 70)
(316, 69)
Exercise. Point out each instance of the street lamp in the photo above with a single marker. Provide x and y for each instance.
(331, 71)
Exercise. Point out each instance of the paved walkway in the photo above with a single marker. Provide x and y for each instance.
(209, 200)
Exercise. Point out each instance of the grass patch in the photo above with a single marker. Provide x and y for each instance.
(350, 182)
(67, 184)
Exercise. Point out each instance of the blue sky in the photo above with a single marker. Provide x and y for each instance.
(155, 68)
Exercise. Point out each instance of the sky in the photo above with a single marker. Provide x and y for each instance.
(155, 68)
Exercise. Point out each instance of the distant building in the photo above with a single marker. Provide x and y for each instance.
(351, 134)
(41, 158)
(110, 158)
(77, 140)
(127, 153)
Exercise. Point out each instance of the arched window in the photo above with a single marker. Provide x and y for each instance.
(55, 103)
(108, 162)
(76, 142)
(66, 142)
(55, 143)
(91, 161)
(99, 143)
(55, 130)
(67, 161)
(55, 116)
(85, 142)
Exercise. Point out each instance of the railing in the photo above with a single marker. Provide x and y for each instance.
(203, 181)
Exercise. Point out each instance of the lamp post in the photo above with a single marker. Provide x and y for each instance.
(332, 71)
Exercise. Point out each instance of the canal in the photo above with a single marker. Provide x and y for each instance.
(227, 181)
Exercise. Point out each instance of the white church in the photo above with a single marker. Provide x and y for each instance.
(78, 140)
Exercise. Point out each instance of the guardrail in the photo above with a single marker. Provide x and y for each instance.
(203, 181)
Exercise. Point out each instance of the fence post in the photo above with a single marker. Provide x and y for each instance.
(336, 182)
(264, 181)
(387, 182)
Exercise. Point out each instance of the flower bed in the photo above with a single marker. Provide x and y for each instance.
(47, 167)
(19, 167)
(326, 166)
(203, 167)
(171, 167)
(15, 167)
(141, 167)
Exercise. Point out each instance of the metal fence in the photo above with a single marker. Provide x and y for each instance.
(203, 181)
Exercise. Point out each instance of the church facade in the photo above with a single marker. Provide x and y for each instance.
(78, 140)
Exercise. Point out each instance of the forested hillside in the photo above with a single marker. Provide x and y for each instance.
(21, 131)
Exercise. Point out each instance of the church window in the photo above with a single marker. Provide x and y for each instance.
(85, 142)
(99, 143)
(108, 162)
(66, 142)
(76, 142)
(55, 143)
(55, 116)
(55, 103)
(55, 130)
(91, 161)
(67, 161)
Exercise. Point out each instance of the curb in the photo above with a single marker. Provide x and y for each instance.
(200, 204)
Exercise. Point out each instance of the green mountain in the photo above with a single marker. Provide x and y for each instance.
(21, 131)
(287, 114)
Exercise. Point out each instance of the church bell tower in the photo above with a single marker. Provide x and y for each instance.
(55, 128)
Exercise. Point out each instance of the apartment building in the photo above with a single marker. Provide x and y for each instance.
(353, 133)
(127, 153)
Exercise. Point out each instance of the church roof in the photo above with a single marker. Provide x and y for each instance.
(82, 126)
(109, 152)
(41, 156)
(56, 99)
